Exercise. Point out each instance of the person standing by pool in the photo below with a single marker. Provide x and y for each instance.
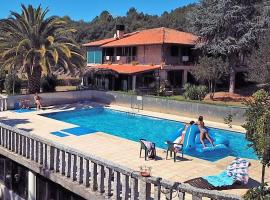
(38, 101)
(203, 132)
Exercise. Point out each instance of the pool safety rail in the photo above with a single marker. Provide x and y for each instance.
(89, 176)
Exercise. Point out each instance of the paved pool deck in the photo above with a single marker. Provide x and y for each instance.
(126, 152)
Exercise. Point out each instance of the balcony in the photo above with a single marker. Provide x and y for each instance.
(119, 59)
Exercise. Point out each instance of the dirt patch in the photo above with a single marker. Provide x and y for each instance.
(227, 97)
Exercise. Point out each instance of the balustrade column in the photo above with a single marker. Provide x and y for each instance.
(36, 156)
(116, 185)
(40, 151)
(68, 165)
(93, 176)
(125, 186)
(1, 136)
(86, 174)
(74, 167)
(17, 142)
(101, 178)
(13, 138)
(32, 149)
(23, 145)
(108, 182)
(52, 158)
(157, 189)
(134, 189)
(20, 144)
(28, 152)
(63, 162)
(6, 138)
(80, 169)
(56, 160)
(9, 139)
(145, 189)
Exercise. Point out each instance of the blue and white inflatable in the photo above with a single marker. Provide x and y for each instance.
(192, 140)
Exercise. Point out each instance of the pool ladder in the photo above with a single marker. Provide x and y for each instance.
(136, 103)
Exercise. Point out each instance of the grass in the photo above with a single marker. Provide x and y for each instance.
(182, 98)
(65, 88)
(209, 102)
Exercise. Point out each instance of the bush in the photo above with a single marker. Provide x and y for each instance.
(194, 92)
(258, 193)
(12, 84)
(48, 83)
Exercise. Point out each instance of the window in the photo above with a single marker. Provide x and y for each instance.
(94, 56)
(119, 51)
(175, 78)
(174, 51)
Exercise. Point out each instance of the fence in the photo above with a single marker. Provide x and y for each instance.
(105, 178)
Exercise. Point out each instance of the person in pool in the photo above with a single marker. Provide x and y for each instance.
(203, 132)
(179, 141)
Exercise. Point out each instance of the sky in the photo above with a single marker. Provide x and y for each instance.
(88, 9)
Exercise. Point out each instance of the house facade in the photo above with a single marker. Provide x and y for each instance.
(140, 60)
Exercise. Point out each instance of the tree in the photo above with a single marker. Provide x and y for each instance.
(258, 127)
(259, 61)
(228, 28)
(210, 70)
(35, 44)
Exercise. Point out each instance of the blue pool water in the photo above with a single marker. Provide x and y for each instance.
(135, 127)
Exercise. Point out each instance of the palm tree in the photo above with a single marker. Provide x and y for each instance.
(34, 44)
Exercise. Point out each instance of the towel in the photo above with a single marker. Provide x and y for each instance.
(238, 170)
(149, 145)
(220, 180)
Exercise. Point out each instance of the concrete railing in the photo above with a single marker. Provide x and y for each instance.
(97, 175)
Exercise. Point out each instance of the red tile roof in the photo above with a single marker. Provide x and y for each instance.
(128, 69)
(150, 36)
(105, 41)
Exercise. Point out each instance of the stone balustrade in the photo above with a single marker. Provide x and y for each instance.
(106, 179)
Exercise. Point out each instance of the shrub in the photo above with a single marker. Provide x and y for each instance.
(194, 92)
(258, 193)
(48, 83)
(12, 84)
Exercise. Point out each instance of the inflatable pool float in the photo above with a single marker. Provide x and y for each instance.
(192, 140)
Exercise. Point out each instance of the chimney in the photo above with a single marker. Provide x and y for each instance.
(120, 31)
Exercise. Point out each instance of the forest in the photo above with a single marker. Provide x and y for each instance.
(103, 26)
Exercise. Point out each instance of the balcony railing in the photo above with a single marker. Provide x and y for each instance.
(119, 59)
(93, 174)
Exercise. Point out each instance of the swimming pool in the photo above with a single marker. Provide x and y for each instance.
(134, 127)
